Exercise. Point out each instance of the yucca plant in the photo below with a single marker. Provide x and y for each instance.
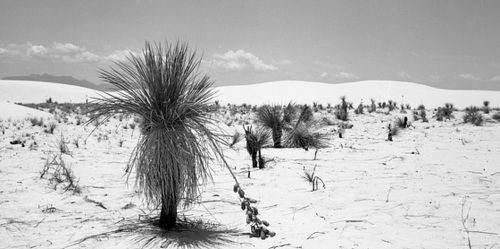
(276, 118)
(256, 140)
(162, 86)
(342, 113)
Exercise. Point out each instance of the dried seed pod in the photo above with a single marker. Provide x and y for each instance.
(241, 193)
(243, 205)
(255, 211)
(251, 200)
(249, 212)
(236, 187)
(262, 234)
(263, 229)
(254, 218)
(248, 219)
(265, 223)
(272, 234)
(254, 231)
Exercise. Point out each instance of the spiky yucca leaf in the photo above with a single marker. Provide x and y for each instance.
(172, 156)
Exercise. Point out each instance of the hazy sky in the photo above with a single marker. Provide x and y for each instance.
(448, 44)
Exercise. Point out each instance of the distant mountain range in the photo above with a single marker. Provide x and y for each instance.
(68, 80)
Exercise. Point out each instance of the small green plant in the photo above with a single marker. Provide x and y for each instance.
(310, 176)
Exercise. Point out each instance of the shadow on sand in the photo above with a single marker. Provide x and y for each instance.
(145, 233)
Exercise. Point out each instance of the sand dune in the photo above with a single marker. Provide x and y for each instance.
(18, 91)
(277, 92)
(308, 92)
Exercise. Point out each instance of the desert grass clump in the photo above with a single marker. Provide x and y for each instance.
(392, 130)
(373, 107)
(342, 110)
(60, 173)
(496, 116)
(401, 122)
(445, 112)
(163, 87)
(473, 116)
(51, 128)
(36, 121)
(310, 176)
(235, 138)
(277, 119)
(360, 109)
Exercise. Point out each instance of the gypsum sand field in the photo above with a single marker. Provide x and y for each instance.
(437, 185)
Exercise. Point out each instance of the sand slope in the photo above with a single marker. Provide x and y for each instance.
(308, 92)
(18, 91)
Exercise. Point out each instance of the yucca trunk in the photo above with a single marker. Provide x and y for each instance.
(277, 134)
(261, 161)
(168, 214)
(254, 160)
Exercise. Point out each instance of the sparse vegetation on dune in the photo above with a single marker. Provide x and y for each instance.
(391, 171)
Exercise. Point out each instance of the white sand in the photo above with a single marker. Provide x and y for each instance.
(402, 194)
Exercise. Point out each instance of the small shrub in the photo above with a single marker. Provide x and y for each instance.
(496, 116)
(401, 122)
(359, 110)
(423, 115)
(445, 112)
(36, 121)
(486, 107)
(393, 130)
(473, 116)
(341, 113)
(51, 128)
(373, 107)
